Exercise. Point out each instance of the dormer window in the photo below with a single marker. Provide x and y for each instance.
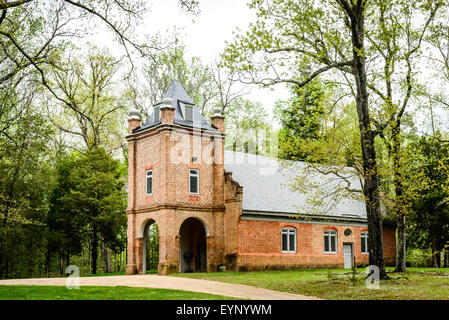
(187, 111)
(157, 114)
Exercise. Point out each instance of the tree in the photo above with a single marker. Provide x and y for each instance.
(171, 64)
(67, 228)
(395, 42)
(31, 30)
(427, 191)
(88, 102)
(97, 197)
(26, 178)
(246, 127)
(301, 119)
(316, 39)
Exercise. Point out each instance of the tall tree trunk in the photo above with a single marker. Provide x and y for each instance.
(399, 205)
(107, 256)
(68, 258)
(47, 260)
(434, 249)
(61, 264)
(446, 259)
(401, 250)
(94, 249)
(371, 178)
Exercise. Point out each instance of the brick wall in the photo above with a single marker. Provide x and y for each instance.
(170, 151)
(259, 245)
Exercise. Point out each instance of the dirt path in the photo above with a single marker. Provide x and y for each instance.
(165, 282)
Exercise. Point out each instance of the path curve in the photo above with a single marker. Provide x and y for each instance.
(165, 282)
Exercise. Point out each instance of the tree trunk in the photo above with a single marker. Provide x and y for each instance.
(399, 190)
(107, 256)
(371, 178)
(68, 258)
(434, 250)
(446, 259)
(94, 252)
(61, 264)
(47, 260)
(401, 250)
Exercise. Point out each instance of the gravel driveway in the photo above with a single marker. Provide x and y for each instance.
(166, 282)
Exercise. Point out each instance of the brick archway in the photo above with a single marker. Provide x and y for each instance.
(193, 234)
(144, 235)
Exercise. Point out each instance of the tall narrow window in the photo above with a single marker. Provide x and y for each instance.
(149, 176)
(330, 241)
(194, 175)
(157, 114)
(289, 240)
(364, 242)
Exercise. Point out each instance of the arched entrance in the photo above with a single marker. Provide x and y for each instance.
(150, 247)
(192, 246)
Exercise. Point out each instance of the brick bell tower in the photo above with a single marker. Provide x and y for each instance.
(176, 180)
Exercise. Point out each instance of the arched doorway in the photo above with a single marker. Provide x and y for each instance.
(150, 247)
(192, 246)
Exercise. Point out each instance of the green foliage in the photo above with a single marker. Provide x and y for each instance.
(247, 127)
(97, 197)
(301, 118)
(26, 179)
(427, 191)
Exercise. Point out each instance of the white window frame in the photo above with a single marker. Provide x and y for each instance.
(148, 174)
(183, 110)
(194, 173)
(288, 232)
(159, 112)
(364, 238)
(330, 234)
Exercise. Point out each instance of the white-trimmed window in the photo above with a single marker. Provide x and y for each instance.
(187, 111)
(364, 242)
(330, 241)
(194, 181)
(149, 182)
(289, 240)
(157, 114)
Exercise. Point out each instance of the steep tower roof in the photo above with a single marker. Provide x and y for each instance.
(185, 109)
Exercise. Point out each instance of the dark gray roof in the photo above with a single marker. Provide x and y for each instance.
(179, 95)
(267, 187)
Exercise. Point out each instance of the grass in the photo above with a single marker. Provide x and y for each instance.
(99, 293)
(338, 284)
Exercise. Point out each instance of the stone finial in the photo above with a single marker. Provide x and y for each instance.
(134, 120)
(166, 103)
(134, 114)
(217, 112)
(217, 120)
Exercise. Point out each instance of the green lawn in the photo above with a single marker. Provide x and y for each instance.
(416, 283)
(99, 293)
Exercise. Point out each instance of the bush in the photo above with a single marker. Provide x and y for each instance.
(419, 257)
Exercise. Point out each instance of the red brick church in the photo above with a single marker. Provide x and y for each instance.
(217, 208)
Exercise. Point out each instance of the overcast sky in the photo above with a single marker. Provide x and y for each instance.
(206, 36)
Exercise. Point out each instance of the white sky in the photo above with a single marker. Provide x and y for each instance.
(205, 37)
